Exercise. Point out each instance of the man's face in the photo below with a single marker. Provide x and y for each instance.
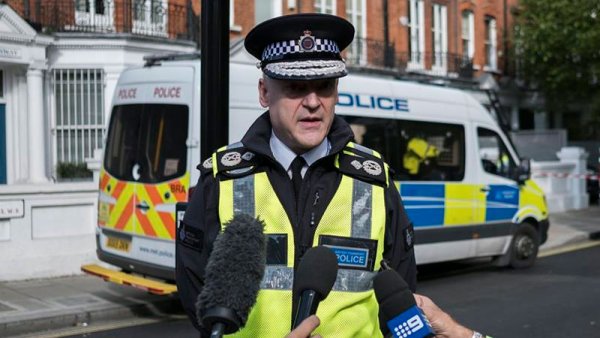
(301, 112)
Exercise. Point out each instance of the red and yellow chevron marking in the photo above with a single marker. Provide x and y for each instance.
(157, 220)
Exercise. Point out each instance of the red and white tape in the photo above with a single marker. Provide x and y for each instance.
(565, 175)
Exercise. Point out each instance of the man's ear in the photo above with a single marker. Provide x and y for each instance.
(263, 94)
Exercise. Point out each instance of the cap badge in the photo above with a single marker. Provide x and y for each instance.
(307, 41)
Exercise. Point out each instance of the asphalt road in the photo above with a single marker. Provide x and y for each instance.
(558, 297)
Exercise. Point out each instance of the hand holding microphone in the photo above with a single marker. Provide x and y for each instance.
(233, 275)
(444, 325)
(397, 307)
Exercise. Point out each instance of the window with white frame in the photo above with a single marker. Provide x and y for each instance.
(356, 14)
(150, 17)
(78, 114)
(416, 33)
(95, 14)
(490, 43)
(439, 38)
(325, 6)
(267, 9)
(468, 35)
(232, 25)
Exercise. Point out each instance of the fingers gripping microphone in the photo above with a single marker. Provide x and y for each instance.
(232, 278)
(313, 280)
(397, 307)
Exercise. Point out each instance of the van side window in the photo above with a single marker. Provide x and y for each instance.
(147, 142)
(415, 150)
(494, 155)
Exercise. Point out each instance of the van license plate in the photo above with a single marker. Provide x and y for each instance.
(118, 244)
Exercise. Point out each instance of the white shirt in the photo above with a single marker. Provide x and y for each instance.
(284, 155)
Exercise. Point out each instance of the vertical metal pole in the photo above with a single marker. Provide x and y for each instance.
(214, 78)
(386, 36)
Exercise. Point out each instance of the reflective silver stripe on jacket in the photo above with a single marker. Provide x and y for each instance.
(279, 277)
(243, 196)
(363, 148)
(362, 196)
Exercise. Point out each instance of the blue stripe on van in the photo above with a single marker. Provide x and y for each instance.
(502, 202)
(424, 203)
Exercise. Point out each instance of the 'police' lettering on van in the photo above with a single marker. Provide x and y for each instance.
(127, 93)
(167, 92)
(372, 102)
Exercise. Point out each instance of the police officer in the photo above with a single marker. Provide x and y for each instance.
(299, 171)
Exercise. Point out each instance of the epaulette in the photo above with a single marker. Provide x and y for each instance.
(363, 163)
(206, 167)
(234, 161)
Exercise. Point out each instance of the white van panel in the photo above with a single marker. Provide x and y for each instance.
(444, 251)
(170, 85)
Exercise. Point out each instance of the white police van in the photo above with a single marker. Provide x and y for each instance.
(463, 185)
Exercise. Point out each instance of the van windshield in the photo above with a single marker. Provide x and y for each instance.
(147, 142)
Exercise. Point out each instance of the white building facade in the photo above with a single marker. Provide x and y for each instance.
(55, 94)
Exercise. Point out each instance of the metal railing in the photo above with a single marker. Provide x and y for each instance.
(372, 53)
(157, 18)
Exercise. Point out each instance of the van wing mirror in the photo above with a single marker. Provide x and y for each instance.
(523, 171)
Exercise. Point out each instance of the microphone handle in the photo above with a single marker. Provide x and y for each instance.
(307, 306)
(217, 330)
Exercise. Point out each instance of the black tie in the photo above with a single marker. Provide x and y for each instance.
(297, 164)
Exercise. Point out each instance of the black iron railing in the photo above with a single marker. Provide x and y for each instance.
(155, 18)
(376, 54)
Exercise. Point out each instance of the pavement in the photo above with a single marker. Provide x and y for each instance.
(60, 306)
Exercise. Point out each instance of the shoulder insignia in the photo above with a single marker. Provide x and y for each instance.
(363, 165)
(206, 166)
(235, 161)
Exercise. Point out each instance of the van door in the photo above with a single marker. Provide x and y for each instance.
(498, 193)
(144, 176)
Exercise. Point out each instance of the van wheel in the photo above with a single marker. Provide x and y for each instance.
(524, 247)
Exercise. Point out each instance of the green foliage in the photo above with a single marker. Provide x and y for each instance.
(559, 42)
(72, 171)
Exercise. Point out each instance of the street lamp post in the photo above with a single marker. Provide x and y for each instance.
(214, 78)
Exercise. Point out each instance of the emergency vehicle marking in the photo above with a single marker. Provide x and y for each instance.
(140, 208)
(104, 181)
(145, 223)
(372, 102)
(168, 220)
(167, 92)
(458, 204)
(127, 93)
(125, 217)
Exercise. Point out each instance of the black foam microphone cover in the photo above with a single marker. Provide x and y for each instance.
(392, 293)
(233, 274)
(313, 280)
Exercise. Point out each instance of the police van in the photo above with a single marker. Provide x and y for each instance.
(463, 185)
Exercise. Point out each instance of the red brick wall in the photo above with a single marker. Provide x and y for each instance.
(243, 17)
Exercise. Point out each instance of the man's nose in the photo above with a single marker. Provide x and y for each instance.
(311, 101)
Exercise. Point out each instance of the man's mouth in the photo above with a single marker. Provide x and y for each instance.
(310, 122)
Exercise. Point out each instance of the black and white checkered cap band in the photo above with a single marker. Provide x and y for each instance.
(277, 50)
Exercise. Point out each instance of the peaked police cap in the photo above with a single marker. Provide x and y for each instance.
(301, 46)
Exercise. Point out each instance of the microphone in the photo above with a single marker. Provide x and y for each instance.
(397, 307)
(233, 274)
(313, 280)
